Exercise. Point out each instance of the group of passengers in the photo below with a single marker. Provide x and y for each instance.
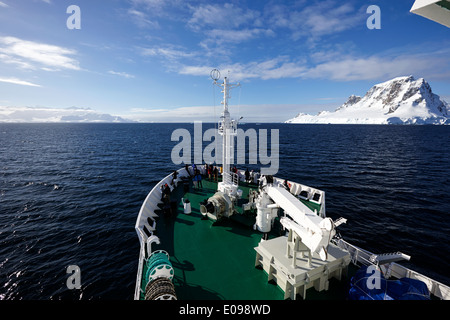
(209, 171)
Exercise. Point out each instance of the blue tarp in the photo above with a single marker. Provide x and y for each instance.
(370, 284)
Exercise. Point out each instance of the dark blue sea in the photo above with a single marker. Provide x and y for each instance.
(70, 195)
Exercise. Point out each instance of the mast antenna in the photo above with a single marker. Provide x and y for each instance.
(228, 130)
(215, 74)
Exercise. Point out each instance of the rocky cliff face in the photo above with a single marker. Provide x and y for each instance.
(403, 100)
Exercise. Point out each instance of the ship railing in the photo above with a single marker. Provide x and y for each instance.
(358, 255)
(231, 178)
(151, 204)
(146, 215)
(361, 256)
(138, 290)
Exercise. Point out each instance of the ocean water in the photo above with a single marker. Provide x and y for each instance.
(70, 195)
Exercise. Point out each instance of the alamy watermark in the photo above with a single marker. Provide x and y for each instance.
(374, 280)
(74, 20)
(74, 280)
(374, 21)
(183, 153)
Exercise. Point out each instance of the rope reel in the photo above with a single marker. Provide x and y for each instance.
(159, 277)
(158, 265)
(160, 289)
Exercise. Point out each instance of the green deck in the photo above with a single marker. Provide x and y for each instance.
(216, 260)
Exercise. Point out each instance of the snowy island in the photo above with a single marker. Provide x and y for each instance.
(56, 115)
(403, 100)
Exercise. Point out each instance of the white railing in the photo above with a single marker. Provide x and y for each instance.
(364, 257)
(148, 211)
(231, 178)
(357, 254)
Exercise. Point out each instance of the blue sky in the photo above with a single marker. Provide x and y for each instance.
(149, 60)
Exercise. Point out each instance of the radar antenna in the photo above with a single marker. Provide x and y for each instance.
(215, 74)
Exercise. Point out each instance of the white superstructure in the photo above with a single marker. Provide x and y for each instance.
(436, 10)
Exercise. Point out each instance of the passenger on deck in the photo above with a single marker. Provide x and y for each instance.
(216, 174)
(187, 170)
(162, 192)
(209, 171)
(205, 172)
(174, 178)
(266, 180)
(262, 181)
(247, 176)
(166, 193)
(199, 179)
(194, 181)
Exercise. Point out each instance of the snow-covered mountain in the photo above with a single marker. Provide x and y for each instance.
(46, 114)
(402, 100)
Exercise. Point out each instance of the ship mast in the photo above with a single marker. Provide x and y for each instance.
(228, 130)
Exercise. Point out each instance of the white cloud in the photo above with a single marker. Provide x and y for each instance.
(141, 19)
(30, 55)
(18, 81)
(150, 4)
(232, 24)
(122, 74)
(220, 36)
(276, 68)
(17, 61)
(314, 20)
(145, 13)
(177, 114)
(377, 67)
(195, 70)
(168, 52)
(337, 67)
(226, 16)
(3, 5)
(250, 113)
(323, 18)
(226, 23)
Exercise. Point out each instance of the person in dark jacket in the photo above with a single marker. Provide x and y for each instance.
(199, 179)
(247, 176)
(216, 174)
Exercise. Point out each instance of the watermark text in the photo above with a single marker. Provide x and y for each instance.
(212, 153)
(74, 280)
(74, 21)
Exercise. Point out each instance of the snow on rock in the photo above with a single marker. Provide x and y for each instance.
(47, 114)
(402, 100)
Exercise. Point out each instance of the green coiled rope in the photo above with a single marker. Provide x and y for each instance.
(157, 260)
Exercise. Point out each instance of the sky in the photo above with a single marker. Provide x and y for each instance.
(150, 60)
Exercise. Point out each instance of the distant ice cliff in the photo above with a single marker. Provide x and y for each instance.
(45, 114)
